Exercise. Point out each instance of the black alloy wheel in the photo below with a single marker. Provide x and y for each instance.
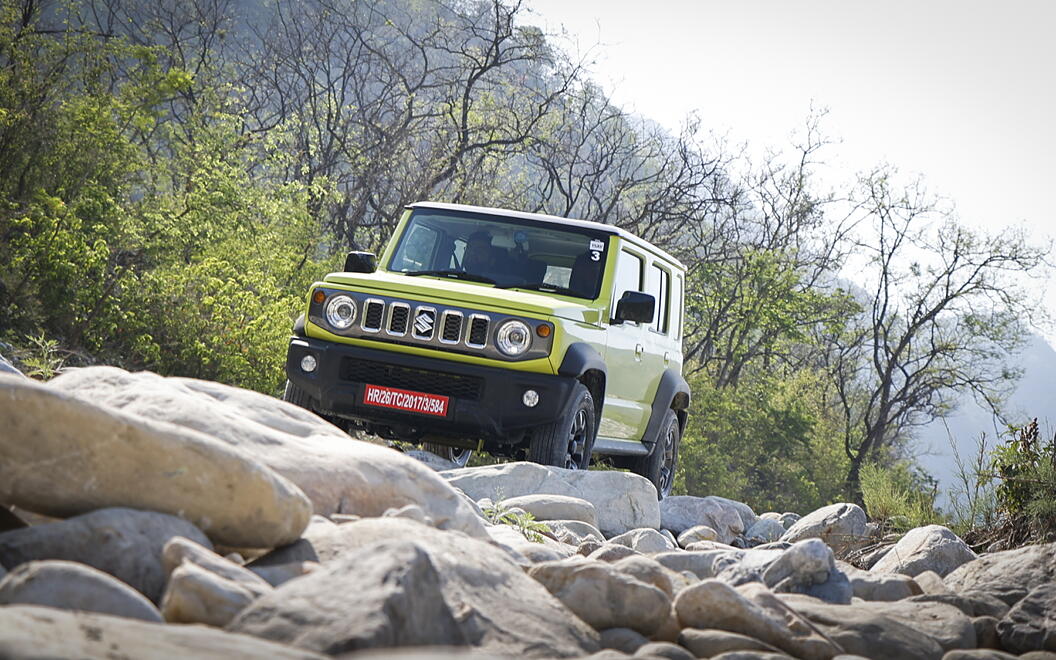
(568, 442)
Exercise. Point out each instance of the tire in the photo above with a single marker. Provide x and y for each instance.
(659, 466)
(458, 455)
(296, 396)
(568, 442)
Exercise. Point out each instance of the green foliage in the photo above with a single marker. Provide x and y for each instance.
(38, 357)
(524, 522)
(898, 497)
(1026, 467)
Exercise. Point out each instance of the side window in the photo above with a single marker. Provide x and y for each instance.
(676, 308)
(628, 276)
(659, 288)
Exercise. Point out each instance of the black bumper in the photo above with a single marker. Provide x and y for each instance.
(484, 402)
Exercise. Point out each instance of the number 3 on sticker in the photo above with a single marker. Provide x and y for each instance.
(595, 255)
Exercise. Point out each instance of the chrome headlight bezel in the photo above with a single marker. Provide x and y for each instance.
(513, 337)
(335, 312)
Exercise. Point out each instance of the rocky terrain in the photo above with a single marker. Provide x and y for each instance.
(164, 517)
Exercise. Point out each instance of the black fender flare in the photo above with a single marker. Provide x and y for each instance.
(672, 393)
(298, 327)
(585, 364)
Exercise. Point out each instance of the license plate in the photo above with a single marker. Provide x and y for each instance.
(406, 400)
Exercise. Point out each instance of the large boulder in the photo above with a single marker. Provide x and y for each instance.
(31, 632)
(68, 585)
(555, 507)
(1009, 575)
(765, 530)
(806, 567)
(879, 586)
(125, 543)
(1031, 624)
(604, 596)
(66, 455)
(338, 474)
(623, 501)
(681, 512)
(644, 540)
(840, 526)
(931, 548)
(393, 582)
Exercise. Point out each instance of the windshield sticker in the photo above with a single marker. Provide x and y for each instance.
(595, 244)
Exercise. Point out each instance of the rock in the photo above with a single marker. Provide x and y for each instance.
(841, 526)
(282, 573)
(1031, 624)
(1009, 575)
(589, 547)
(568, 531)
(520, 548)
(972, 603)
(98, 456)
(750, 655)
(8, 369)
(338, 474)
(882, 586)
(409, 511)
(669, 630)
(68, 585)
(705, 546)
(431, 460)
(644, 540)
(711, 604)
(665, 650)
(930, 583)
(651, 572)
(889, 630)
(622, 501)
(986, 636)
(806, 567)
(603, 596)
(624, 640)
(788, 519)
(180, 550)
(765, 530)
(695, 534)
(681, 512)
(978, 654)
(556, 507)
(196, 595)
(612, 552)
(710, 642)
(9, 521)
(931, 548)
(44, 632)
(125, 543)
(448, 588)
(702, 564)
(746, 513)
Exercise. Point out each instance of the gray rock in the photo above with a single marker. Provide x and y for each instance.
(624, 640)
(603, 596)
(644, 540)
(972, 603)
(283, 573)
(665, 650)
(68, 585)
(6, 368)
(705, 546)
(651, 572)
(578, 531)
(86, 455)
(681, 512)
(612, 552)
(1009, 575)
(807, 567)
(750, 655)
(338, 474)
(978, 654)
(788, 519)
(1031, 624)
(196, 595)
(431, 460)
(931, 583)
(841, 526)
(180, 550)
(622, 501)
(710, 642)
(765, 530)
(931, 548)
(447, 588)
(711, 604)
(125, 543)
(520, 548)
(696, 534)
(556, 507)
(986, 636)
(704, 565)
(44, 632)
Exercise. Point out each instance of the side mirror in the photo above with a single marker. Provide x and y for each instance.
(635, 306)
(361, 262)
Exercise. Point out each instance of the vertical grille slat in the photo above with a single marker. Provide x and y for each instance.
(399, 313)
(373, 315)
(478, 331)
(451, 332)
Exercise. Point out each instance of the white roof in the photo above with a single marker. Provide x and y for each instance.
(556, 219)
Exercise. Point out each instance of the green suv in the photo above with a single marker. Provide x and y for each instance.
(522, 335)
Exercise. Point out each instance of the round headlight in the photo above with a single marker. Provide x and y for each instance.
(341, 312)
(513, 338)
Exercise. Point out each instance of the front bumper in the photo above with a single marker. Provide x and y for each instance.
(484, 402)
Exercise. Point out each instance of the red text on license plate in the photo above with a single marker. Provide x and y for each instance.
(417, 402)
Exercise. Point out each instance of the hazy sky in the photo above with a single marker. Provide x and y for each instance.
(961, 92)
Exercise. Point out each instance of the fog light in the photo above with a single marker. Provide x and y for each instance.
(530, 398)
(309, 363)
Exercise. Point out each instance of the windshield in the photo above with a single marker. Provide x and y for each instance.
(507, 252)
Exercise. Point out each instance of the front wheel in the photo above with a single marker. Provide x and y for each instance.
(457, 455)
(659, 466)
(569, 441)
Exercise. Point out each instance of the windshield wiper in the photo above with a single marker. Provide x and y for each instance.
(543, 286)
(456, 274)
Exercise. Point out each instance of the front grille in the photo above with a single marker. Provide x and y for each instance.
(418, 380)
(452, 330)
(398, 315)
(478, 331)
(374, 314)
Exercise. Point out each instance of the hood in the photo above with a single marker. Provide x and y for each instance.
(467, 294)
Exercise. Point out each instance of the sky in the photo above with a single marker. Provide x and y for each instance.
(962, 93)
